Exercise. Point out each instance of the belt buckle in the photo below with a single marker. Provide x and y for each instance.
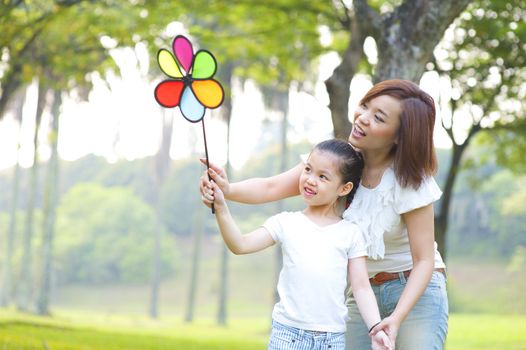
(374, 281)
(382, 277)
(379, 279)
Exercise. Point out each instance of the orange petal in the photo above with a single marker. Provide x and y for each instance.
(209, 92)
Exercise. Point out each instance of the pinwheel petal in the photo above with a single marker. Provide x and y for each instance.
(209, 92)
(168, 93)
(184, 52)
(190, 106)
(168, 64)
(204, 65)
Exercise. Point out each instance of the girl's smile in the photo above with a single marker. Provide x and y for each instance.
(309, 192)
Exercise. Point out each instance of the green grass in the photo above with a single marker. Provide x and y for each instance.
(89, 332)
(85, 331)
(486, 332)
(111, 317)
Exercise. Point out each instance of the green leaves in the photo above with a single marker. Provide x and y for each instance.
(271, 42)
(60, 42)
(104, 234)
(483, 58)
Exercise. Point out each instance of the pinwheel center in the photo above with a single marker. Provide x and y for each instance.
(187, 79)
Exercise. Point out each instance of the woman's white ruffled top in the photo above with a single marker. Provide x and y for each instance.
(377, 211)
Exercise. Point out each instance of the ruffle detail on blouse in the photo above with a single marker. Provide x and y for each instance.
(367, 210)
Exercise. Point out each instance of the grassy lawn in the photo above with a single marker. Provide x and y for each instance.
(68, 331)
(112, 317)
(89, 332)
(485, 332)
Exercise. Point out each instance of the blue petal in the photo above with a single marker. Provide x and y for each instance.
(191, 108)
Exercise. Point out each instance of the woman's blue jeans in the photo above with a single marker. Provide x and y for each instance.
(425, 328)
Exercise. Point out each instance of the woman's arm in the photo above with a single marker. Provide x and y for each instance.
(238, 243)
(366, 301)
(420, 228)
(255, 190)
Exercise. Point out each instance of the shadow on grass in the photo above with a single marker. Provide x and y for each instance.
(31, 335)
(14, 324)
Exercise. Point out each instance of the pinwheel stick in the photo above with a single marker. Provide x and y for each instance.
(206, 156)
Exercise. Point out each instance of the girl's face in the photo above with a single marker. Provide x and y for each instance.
(376, 124)
(321, 182)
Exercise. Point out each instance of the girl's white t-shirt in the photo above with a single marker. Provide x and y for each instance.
(313, 279)
(377, 211)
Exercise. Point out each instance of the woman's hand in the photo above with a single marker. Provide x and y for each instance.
(218, 175)
(380, 341)
(390, 326)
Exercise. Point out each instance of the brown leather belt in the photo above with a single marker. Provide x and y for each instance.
(382, 277)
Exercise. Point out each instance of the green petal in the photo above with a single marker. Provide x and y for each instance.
(204, 65)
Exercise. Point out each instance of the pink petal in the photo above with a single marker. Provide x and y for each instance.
(183, 52)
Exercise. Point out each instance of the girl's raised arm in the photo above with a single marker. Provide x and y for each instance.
(237, 242)
(252, 191)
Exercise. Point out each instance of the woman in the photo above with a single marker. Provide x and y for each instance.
(393, 129)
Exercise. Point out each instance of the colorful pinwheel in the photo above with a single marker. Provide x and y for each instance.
(191, 86)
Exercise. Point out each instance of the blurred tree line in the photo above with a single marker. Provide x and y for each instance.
(106, 213)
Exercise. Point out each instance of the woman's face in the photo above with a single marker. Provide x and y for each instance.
(376, 124)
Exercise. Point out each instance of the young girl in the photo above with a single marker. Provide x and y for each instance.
(321, 253)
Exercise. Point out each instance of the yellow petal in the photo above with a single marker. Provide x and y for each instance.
(168, 64)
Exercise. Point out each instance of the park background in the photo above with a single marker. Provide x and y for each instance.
(104, 242)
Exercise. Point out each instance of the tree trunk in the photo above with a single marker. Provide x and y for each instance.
(226, 112)
(162, 166)
(197, 231)
(338, 85)
(409, 34)
(223, 288)
(156, 269)
(6, 288)
(51, 194)
(441, 219)
(282, 103)
(6, 291)
(11, 81)
(25, 287)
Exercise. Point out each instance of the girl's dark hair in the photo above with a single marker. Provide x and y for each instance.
(414, 154)
(351, 162)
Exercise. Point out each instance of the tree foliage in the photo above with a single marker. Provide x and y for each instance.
(484, 59)
(106, 235)
(59, 42)
(481, 62)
